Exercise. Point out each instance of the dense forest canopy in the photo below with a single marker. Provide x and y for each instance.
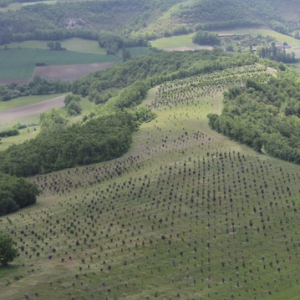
(263, 116)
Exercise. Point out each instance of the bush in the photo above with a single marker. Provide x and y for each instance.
(9, 132)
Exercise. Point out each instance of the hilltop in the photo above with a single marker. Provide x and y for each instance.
(150, 19)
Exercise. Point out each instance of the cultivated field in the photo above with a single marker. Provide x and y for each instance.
(24, 101)
(31, 109)
(186, 214)
(20, 63)
(69, 72)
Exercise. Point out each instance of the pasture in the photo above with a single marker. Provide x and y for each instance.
(185, 214)
(20, 63)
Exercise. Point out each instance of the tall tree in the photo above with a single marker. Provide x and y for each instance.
(8, 252)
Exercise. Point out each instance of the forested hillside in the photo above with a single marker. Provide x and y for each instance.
(149, 19)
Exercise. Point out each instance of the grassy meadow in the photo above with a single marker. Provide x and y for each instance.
(185, 214)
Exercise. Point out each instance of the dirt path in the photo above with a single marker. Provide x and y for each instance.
(32, 109)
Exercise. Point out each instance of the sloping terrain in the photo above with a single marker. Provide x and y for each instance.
(84, 19)
(185, 214)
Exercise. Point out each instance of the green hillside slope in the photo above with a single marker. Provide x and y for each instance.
(152, 18)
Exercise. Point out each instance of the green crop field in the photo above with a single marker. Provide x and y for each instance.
(174, 42)
(185, 214)
(20, 63)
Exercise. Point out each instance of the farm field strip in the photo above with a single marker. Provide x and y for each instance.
(72, 44)
(20, 63)
(70, 72)
(27, 100)
(186, 213)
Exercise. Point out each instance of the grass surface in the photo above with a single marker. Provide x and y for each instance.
(20, 63)
(185, 214)
(174, 42)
